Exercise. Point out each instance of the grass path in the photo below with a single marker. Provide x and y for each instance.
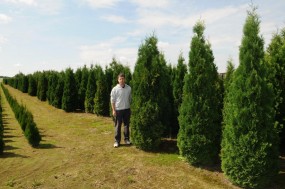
(77, 152)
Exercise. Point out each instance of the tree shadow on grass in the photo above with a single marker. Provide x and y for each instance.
(11, 155)
(9, 136)
(8, 147)
(47, 146)
(168, 146)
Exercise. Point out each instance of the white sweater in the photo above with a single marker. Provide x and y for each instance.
(121, 97)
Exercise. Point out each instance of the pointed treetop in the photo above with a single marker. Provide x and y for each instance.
(199, 28)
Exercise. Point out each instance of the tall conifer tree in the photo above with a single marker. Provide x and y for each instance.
(249, 145)
(200, 111)
(32, 90)
(178, 82)
(69, 98)
(146, 126)
(90, 91)
(101, 100)
(42, 86)
(82, 88)
(275, 57)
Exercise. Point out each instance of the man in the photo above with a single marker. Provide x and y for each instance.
(121, 101)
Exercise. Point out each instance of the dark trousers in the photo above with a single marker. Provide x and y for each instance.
(122, 116)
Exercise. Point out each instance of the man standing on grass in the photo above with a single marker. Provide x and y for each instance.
(121, 101)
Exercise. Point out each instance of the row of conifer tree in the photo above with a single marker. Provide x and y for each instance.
(237, 119)
(1, 129)
(25, 119)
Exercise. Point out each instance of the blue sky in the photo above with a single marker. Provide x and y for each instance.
(38, 35)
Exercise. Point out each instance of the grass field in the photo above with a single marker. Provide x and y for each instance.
(77, 152)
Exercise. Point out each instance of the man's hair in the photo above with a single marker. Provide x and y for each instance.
(121, 75)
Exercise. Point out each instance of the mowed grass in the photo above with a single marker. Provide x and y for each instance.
(77, 152)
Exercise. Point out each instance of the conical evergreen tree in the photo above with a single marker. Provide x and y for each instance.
(69, 98)
(52, 84)
(82, 88)
(32, 90)
(78, 76)
(57, 101)
(249, 145)
(90, 91)
(178, 82)
(101, 100)
(42, 87)
(148, 88)
(200, 111)
(275, 57)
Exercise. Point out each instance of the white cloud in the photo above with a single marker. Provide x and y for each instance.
(18, 65)
(115, 19)
(102, 53)
(101, 3)
(151, 3)
(3, 40)
(44, 6)
(161, 18)
(4, 19)
(27, 2)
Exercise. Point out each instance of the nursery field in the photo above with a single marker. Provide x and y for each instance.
(77, 152)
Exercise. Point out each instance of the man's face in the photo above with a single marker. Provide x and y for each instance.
(121, 81)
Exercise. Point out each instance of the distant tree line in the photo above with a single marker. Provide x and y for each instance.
(25, 119)
(237, 119)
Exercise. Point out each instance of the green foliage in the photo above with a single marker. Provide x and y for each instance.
(200, 111)
(90, 91)
(32, 89)
(58, 92)
(148, 93)
(82, 88)
(165, 98)
(178, 82)
(69, 98)
(229, 74)
(249, 144)
(25, 119)
(275, 58)
(32, 133)
(52, 84)
(101, 100)
(42, 87)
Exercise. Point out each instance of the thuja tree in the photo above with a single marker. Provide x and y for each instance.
(275, 58)
(249, 144)
(199, 119)
(69, 98)
(42, 86)
(32, 89)
(148, 87)
(101, 100)
(178, 82)
(165, 98)
(82, 87)
(90, 91)
(57, 101)
(52, 83)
